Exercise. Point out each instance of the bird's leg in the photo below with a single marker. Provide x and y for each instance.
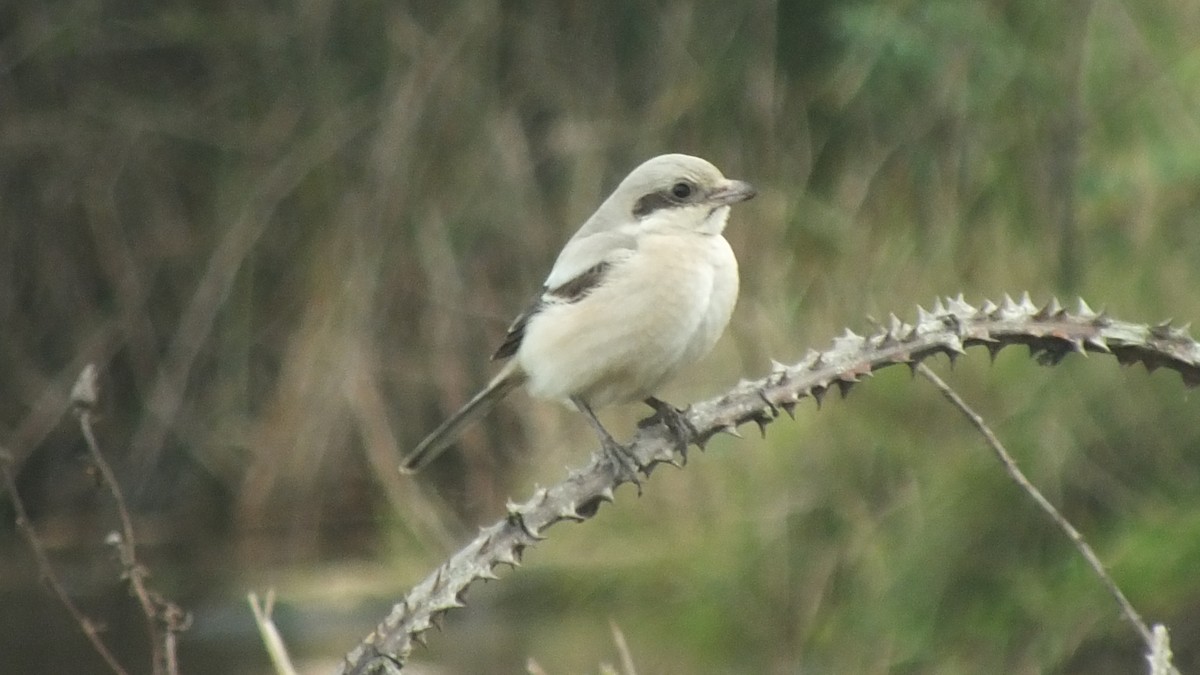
(626, 464)
(675, 420)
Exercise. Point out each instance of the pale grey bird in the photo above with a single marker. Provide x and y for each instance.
(643, 289)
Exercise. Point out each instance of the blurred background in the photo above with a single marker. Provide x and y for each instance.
(290, 233)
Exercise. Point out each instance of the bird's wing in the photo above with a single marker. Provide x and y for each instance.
(603, 250)
(573, 291)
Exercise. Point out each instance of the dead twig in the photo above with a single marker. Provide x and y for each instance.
(164, 619)
(1157, 645)
(91, 630)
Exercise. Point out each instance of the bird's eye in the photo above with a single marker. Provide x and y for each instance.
(682, 190)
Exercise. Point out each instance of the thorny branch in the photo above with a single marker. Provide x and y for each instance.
(1050, 332)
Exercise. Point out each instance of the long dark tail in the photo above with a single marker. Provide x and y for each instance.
(449, 431)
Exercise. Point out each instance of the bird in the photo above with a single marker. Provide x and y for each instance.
(643, 289)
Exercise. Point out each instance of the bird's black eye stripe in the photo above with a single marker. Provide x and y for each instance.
(677, 195)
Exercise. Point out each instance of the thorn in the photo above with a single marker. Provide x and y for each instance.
(844, 387)
(818, 394)
(732, 431)
(606, 495)
(848, 340)
(1162, 331)
(771, 407)
(955, 345)
(891, 334)
(818, 359)
(487, 541)
(1050, 310)
(1084, 311)
(938, 308)
(789, 407)
(1191, 377)
(1007, 306)
(1098, 343)
(570, 512)
(780, 373)
(994, 350)
(1026, 303)
(959, 305)
(1126, 357)
(762, 423)
(1049, 355)
(987, 310)
(923, 315)
(517, 518)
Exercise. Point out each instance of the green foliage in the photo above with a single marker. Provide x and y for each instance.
(290, 234)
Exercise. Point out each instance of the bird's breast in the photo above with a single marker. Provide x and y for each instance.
(655, 312)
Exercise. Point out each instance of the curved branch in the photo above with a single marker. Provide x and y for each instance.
(1050, 332)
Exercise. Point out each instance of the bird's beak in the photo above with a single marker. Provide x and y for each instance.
(732, 192)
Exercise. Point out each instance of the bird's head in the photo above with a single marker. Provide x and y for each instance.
(673, 192)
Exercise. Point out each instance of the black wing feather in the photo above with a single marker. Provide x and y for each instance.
(572, 291)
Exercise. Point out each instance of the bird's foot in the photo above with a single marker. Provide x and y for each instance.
(676, 421)
(623, 462)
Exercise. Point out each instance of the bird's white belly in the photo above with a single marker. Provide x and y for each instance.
(658, 311)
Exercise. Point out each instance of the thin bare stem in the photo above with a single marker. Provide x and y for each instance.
(270, 634)
(46, 570)
(163, 618)
(627, 666)
(1127, 610)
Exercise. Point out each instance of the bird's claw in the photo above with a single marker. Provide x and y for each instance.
(675, 420)
(623, 462)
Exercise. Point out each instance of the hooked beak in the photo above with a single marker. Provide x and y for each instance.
(732, 192)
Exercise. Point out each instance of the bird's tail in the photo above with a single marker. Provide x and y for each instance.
(449, 431)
